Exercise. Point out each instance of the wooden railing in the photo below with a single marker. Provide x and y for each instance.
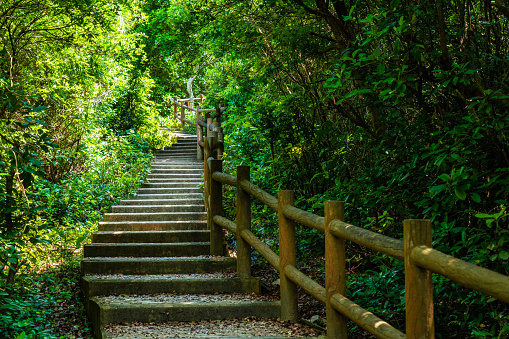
(203, 119)
(415, 250)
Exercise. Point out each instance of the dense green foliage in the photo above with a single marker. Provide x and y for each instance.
(77, 128)
(398, 108)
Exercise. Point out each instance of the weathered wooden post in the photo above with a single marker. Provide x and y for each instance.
(220, 148)
(209, 124)
(418, 282)
(206, 151)
(243, 223)
(175, 107)
(287, 256)
(216, 208)
(182, 118)
(199, 135)
(335, 270)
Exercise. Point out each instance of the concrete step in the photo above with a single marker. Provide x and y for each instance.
(224, 329)
(162, 265)
(184, 249)
(184, 175)
(173, 154)
(157, 208)
(151, 236)
(160, 216)
(124, 309)
(176, 155)
(177, 161)
(169, 196)
(179, 150)
(172, 190)
(183, 184)
(116, 284)
(182, 166)
(196, 180)
(177, 172)
(135, 226)
(159, 202)
(189, 158)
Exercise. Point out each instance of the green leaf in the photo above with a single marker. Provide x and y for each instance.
(476, 197)
(40, 108)
(460, 193)
(503, 255)
(445, 177)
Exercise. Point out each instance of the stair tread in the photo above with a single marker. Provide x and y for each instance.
(202, 258)
(144, 222)
(183, 299)
(161, 205)
(153, 232)
(132, 244)
(226, 329)
(154, 213)
(162, 277)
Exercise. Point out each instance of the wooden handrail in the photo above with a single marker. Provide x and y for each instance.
(415, 250)
(262, 248)
(225, 178)
(305, 218)
(365, 319)
(311, 286)
(259, 194)
(369, 239)
(472, 276)
(210, 125)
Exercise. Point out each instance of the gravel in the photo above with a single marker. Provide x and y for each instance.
(233, 298)
(215, 275)
(238, 328)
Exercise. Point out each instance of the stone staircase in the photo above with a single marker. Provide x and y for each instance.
(149, 261)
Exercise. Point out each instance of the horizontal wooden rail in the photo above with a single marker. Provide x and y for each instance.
(311, 286)
(193, 109)
(305, 218)
(226, 223)
(202, 124)
(262, 248)
(259, 194)
(365, 319)
(367, 238)
(472, 276)
(225, 178)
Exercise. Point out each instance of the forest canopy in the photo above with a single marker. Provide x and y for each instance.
(398, 108)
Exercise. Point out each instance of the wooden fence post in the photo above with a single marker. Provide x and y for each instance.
(243, 223)
(220, 137)
(182, 118)
(199, 135)
(287, 256)
(216, 208)
(335, 270)
(175, 107)
(418, 282)
(209, 123)
(206, 151)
